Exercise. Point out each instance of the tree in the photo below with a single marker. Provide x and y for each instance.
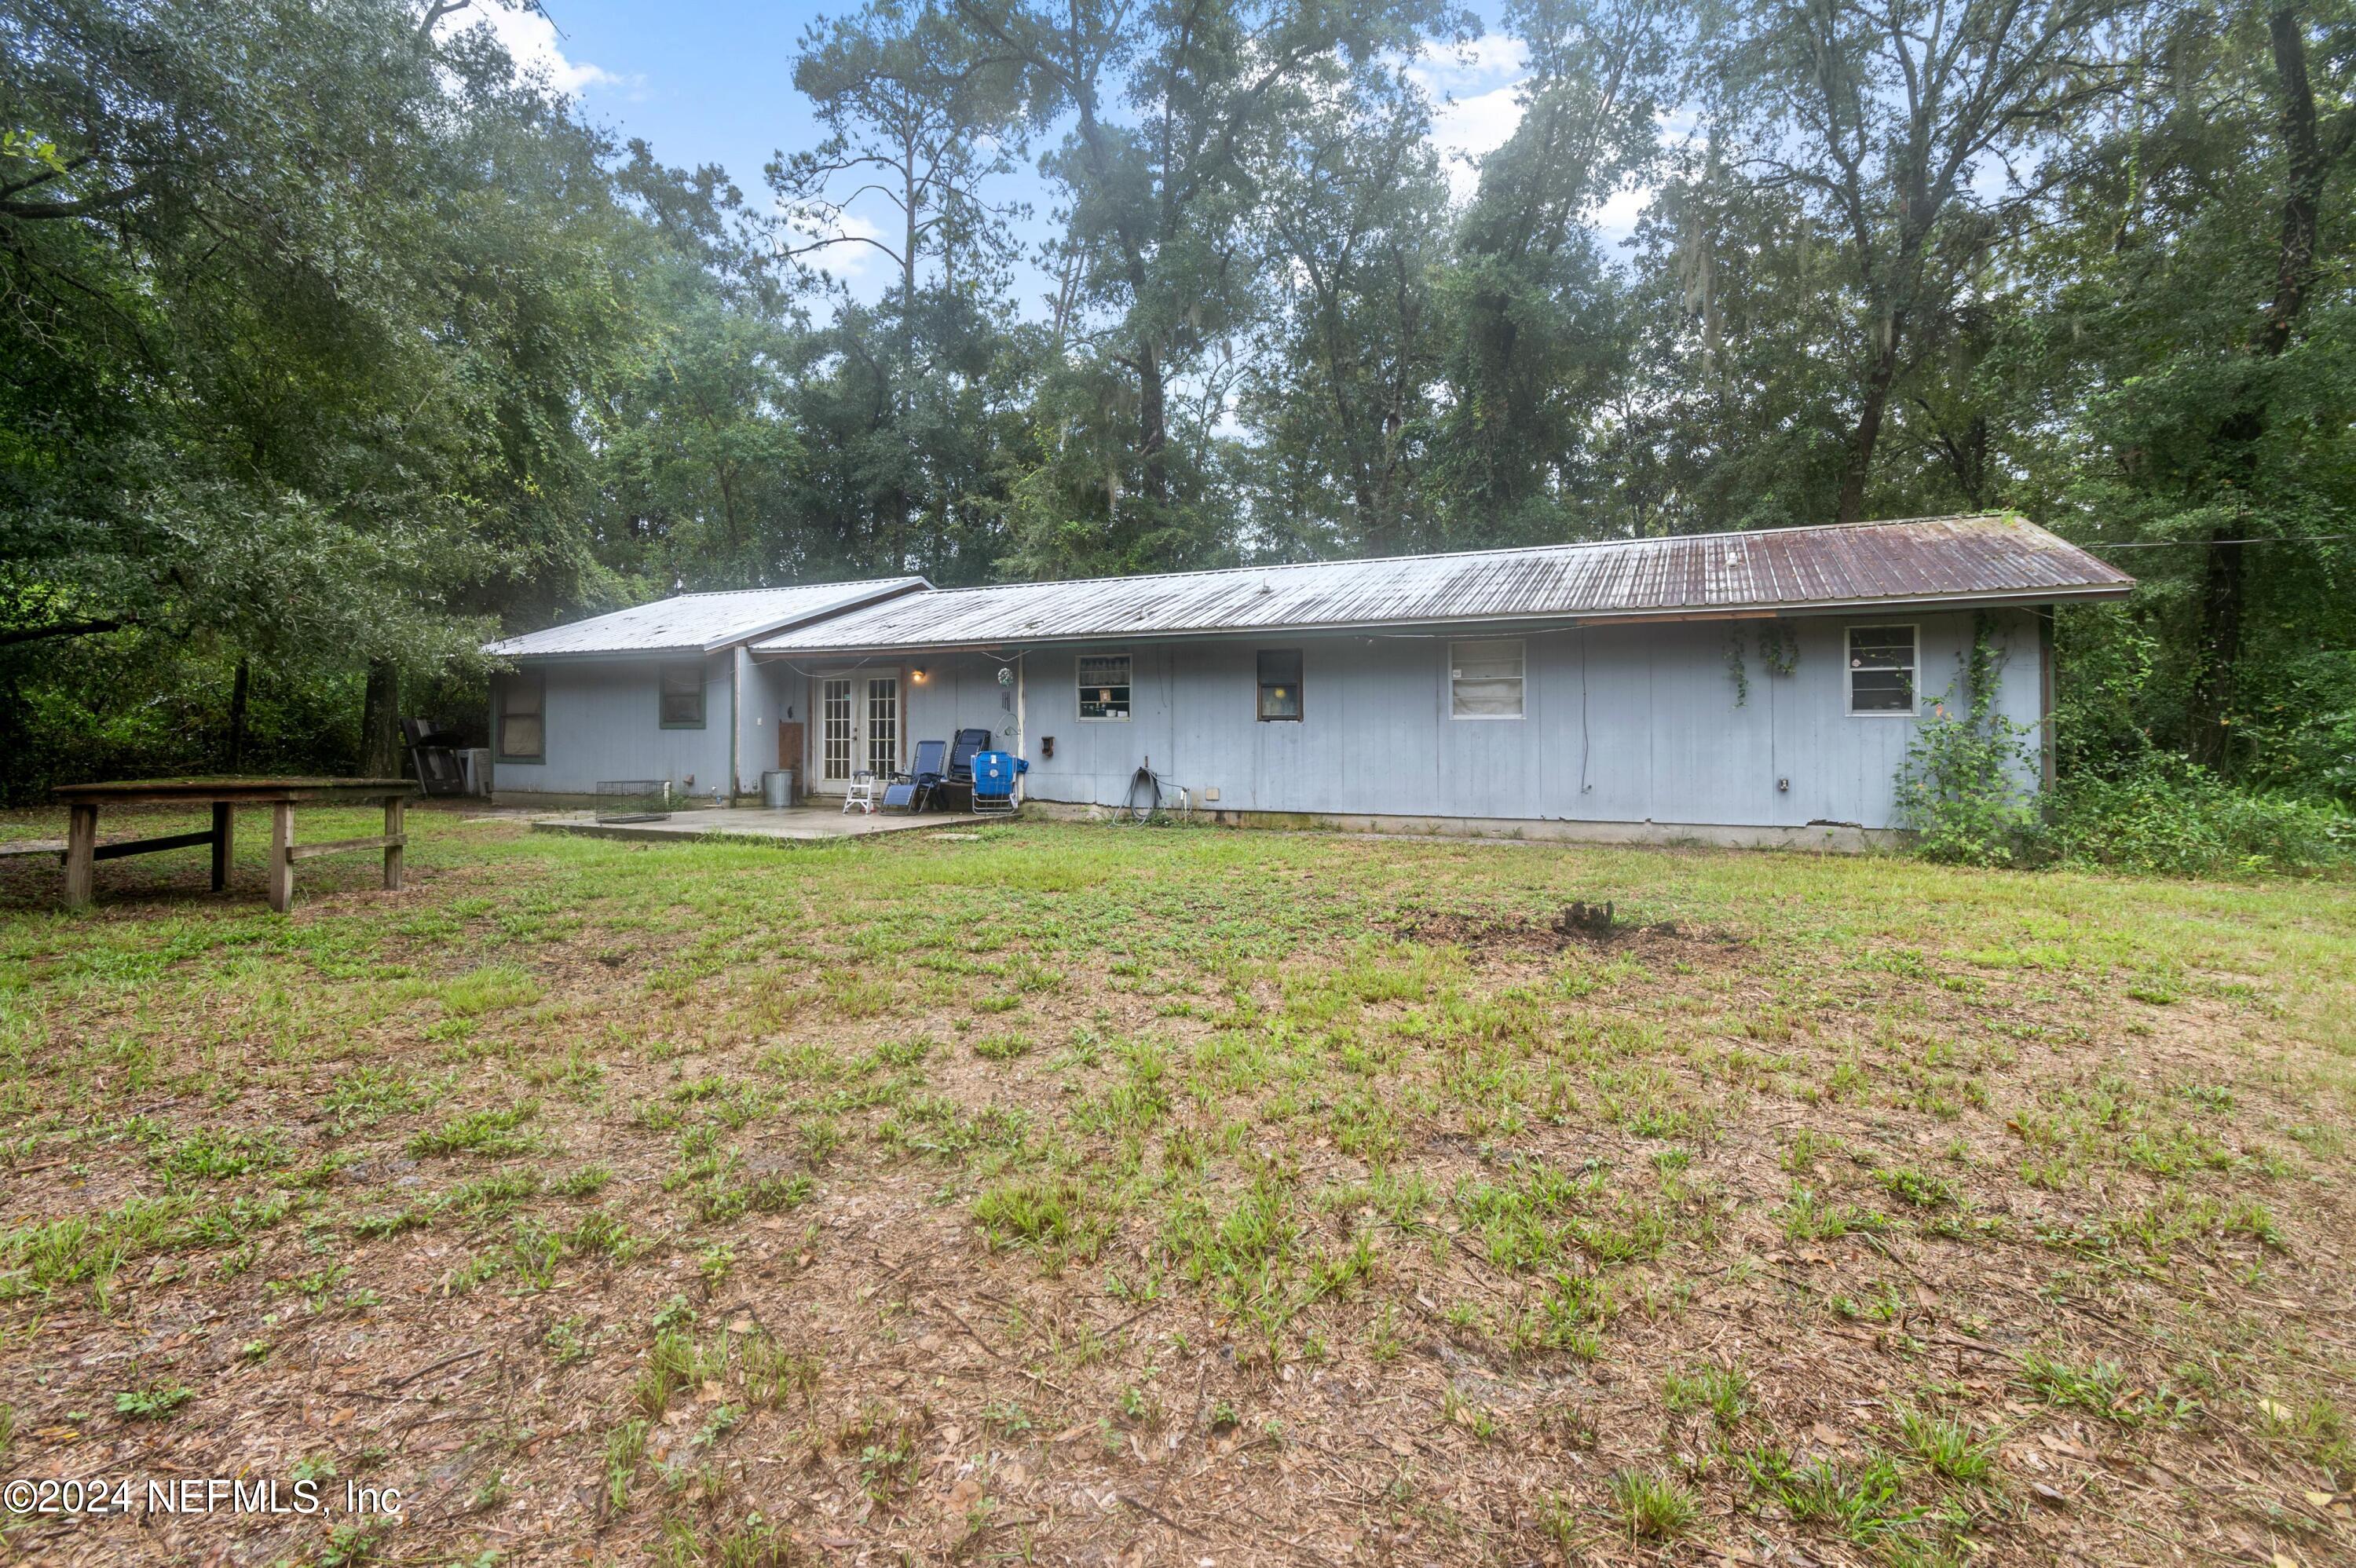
(299, 302)
(2191, 383)
(1171, 107)
(1353, 222)
(1915, 133)
(1538, 336)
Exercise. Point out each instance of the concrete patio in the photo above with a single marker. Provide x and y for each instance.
(797, 822)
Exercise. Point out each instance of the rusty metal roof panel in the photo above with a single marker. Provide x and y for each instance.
(700, 623)
(1920, 560)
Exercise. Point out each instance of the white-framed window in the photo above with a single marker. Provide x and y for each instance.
(1484, 679)
(1883, 661)
(1103, 687)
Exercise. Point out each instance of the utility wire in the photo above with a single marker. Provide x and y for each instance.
(2179, 544)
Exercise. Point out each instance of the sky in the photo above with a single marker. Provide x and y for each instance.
(711, 82)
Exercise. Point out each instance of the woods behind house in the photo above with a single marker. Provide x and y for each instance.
(332, 345)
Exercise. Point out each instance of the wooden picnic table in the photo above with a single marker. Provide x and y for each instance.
(83, 851)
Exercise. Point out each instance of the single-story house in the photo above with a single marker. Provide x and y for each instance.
(1750, 687)
(662, 691)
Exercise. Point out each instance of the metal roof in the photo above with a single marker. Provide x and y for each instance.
(700, 623)
(1982, 559)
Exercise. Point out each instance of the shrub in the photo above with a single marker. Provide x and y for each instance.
(2164, 814)
(1967, 786)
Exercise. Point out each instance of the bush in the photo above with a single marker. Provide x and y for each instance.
(2164, 814)
(1968, 785)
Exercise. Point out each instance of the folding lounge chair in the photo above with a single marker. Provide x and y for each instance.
(994, 773)
(958, 774)
(911, 791)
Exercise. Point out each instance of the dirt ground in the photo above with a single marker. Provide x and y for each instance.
(1121, 1195)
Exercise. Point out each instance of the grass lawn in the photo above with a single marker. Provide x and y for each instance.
(1131, 1195)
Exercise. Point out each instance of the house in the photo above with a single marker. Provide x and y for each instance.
(1746, 688)
(659, 691)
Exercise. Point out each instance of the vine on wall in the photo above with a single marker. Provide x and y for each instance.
(1963, 788)
(1779, 650)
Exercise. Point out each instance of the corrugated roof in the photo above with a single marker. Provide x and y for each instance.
(700, 623)
(1919, 561)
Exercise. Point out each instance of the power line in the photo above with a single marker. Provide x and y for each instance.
(2178, 544)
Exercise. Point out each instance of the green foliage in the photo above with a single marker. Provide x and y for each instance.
(2164, 814)
(1968, 786)
(329, 345)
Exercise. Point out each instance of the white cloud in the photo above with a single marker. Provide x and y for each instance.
(532, 41)
(1466, 129)
(849, 261)
(1615, 216)
(1475, 90)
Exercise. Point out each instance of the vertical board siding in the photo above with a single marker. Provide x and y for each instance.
(1633, 723)
(1663, 740)
(603, 722)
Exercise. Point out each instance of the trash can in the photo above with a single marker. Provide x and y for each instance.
(777, 788)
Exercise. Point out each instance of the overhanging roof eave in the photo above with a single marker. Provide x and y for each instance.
(1567, 621)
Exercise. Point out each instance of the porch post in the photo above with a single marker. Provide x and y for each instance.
(82, 855)
(282, 868)
(393, 807)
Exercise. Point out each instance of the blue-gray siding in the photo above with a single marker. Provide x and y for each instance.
(1634, 723)
(603, 720)
(1623, 724)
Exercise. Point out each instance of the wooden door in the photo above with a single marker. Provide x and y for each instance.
(789, 750)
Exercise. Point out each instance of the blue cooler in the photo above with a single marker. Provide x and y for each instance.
(994, 773)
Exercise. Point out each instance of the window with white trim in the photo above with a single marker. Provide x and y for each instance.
(1484, 679)
(1104, 685)
(1882, 664)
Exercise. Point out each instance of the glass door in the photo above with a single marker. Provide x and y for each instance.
(838, 738)
(882, 725)
(859, 728)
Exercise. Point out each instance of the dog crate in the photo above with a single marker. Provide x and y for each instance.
(633, 800)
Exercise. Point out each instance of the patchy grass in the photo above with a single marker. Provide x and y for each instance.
(1078, 1192)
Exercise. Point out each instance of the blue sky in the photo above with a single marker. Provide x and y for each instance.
(711, 82)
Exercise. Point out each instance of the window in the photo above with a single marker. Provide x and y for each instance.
(1279, 684)
(883, 725)
(1881, 661)
(1485, 681)
(523, 731)
(1104, 685)
(682, 696)
(835, 715)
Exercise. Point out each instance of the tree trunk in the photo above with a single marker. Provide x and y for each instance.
(238, 689)
(1856, 464)
(1154, 420)
(2220, 654)
(2219, 642)
(380, 723)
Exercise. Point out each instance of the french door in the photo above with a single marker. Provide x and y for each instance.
(859, 726)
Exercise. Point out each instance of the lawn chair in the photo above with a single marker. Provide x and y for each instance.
(958, 774)
(911, 791)
(994, 773)
(861, 795)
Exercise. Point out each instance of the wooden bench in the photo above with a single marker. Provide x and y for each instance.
(83, 851)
